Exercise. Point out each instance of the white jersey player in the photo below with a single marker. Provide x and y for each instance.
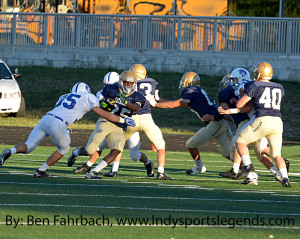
(68, 109)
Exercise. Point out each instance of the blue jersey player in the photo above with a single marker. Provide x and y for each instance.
(144, 123)
(197, 99)
(266, 97)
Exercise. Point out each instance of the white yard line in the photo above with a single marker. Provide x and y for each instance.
(149, 197)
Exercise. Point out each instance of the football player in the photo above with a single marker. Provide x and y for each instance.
(227, 99)
(146, 86)
(68, 109)
(198, 101)
(121, 99)
(109, 79)
(266, 97)
(144, 123)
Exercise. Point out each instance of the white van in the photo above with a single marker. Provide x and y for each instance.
(11, 100)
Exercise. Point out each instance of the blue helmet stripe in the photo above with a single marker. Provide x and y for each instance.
(108, 76)
(76, 89)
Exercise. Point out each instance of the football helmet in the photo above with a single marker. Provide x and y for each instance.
(81, 87)
(226, 81)
(263, 70)
(139, 70)
(128, 76)
(241, 74)
(189, 79)
(111, 78)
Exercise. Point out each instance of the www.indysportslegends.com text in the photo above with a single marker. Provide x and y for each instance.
(153, 220)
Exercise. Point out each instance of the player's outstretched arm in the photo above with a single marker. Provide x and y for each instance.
(171, 104)
(104, 114)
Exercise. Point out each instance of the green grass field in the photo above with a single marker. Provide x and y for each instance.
(42, 86)
(203, 206)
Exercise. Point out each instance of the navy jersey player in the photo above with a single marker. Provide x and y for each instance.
(197, 99)
(123, 100)
(228, 98)
(144, 123)
(266, 97)
(69, 108)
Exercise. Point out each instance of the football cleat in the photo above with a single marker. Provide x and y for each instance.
(278, 177)
(162, 176)
(4, 156)
(41, 174)
(82, 169)
(111, 174)
(150, 169)
(245, 171)
(287, 163)
(72, 158)
(229, 174)
(195, 170)
(92, 175)
(250, 181)
(286, 183)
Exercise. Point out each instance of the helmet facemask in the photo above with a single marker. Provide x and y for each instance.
(127, 76)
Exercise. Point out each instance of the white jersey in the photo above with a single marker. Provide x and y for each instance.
(73, 106)
(99, 95)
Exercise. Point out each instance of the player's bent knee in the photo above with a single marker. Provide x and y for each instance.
(135, 155)
(63, 150)
(240, 140)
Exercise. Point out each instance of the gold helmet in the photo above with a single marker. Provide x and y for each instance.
(189, 79)
(263, 71)
(139, 70)
(226, 81)
(130, 77)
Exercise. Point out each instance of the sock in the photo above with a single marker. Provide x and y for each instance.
(147, 162)
(100, 166)
(199, 163)
(13, 151)
(246, 160)
(115, 167)
(236, 167)
(44, 167)
(160, 169)
(90, 164)
(283, 173)
(273, 170)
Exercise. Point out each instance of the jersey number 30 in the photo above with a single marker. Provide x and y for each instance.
(271, 98)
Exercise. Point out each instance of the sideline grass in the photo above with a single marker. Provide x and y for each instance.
(184, 200)
(41, 87)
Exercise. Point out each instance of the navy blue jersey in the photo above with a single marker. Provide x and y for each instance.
(224, 97)
(199, 101)
(113, 92)
(146, 86)
(266, 98)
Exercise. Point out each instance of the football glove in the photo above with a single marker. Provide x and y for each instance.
(129, 122)
(107, 106)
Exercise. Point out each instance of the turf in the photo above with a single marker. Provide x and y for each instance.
(134, 206)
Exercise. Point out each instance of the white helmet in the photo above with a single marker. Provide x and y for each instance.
(241, 74)
(81, 87)
(111, 78)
